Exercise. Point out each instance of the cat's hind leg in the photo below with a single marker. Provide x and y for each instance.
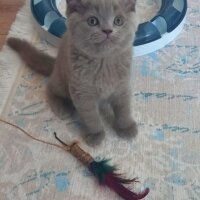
(59, 97)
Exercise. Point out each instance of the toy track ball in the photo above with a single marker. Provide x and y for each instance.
(150, 36)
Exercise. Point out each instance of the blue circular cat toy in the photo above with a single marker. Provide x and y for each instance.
(151, 35)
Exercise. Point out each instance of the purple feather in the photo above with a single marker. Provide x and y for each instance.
(107, 176)
(116, 184)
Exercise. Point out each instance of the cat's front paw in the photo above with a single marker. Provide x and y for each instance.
(127, 132)
(94, 139)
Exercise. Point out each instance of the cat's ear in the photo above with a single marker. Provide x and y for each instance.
(75, 6)
(129, 5)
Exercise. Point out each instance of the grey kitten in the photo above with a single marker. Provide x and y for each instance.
(93, 64)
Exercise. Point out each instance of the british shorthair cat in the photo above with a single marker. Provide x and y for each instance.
(93, 63)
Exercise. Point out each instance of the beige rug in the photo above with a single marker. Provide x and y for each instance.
(166, 105)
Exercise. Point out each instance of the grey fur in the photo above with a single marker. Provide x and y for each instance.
(93, 67)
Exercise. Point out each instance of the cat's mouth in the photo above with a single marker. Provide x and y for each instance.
(106, 40)
(101, 39)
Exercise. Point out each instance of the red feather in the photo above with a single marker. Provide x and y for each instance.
(114, 182)
(107, 176)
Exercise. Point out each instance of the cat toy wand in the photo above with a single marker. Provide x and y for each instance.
(105, 173)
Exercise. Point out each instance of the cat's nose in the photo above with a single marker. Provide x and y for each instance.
(107, 31)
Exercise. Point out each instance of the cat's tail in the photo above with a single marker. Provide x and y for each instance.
(35, 59)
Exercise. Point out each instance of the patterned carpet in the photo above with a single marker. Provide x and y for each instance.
(166, 105)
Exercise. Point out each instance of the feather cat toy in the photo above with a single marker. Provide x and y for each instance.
(105, 174)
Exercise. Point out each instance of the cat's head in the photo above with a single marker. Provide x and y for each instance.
(99, 27)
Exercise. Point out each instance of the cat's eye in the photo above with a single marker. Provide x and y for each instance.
(119, 21)
(92, 21)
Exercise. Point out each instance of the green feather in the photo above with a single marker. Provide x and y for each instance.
(101, 168)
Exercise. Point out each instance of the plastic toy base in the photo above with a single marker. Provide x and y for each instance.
(45, 35)
(158, 44)
(137, 50)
